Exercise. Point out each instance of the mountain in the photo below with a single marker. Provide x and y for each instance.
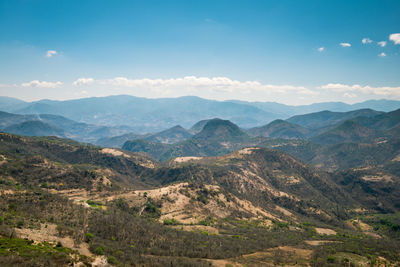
(328, 118)
(280, 129)
(285, 111)
(56, 125)
(147, 115)
(347, 132)
(117, 141)
(154, 115)
(197, 127)
(217, 137)
(9, 103)
(170, 136)
(382, 122)
(221, 131)
(173, 135)
(35, 128)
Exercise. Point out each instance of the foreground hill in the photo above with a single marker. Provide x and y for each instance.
(253, 206)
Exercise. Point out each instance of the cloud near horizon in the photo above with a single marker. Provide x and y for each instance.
(42, 84)
(380, 91)
(217, 88)
(193, 84)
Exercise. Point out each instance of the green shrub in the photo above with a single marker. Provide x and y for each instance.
(99, 250)
(89, 237)
(111, 260)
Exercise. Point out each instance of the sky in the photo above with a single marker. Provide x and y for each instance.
(293, 52)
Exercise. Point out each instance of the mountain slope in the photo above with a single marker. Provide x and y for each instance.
(170, 136)
(61, 127)
(347, 132)
(328, 118)
(280, 129)
(35, 128)
(66, 197)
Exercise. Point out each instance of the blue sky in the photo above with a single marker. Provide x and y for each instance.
(284, 51)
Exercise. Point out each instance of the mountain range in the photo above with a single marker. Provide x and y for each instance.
(145, 115)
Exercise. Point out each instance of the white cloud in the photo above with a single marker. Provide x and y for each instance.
(83, 81)
(382, 54)
(345, 44)
(395, 37)
(51, 53)
(214, 84)
(349, 95)
(366, 41)
(42, 84)
(321, 49)
(382, 43)
(344, 88)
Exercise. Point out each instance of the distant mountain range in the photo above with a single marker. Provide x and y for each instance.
(153, 115)
(54, 125)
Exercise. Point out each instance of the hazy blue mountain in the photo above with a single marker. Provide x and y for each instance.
(56, 125)
(9, 103)
(280, 129)
(170, 136)
(328, 118)
(148, 115)
(286, 111)
(152, 115)
(35, 128)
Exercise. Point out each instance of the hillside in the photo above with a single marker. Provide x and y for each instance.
(347, 132)
(121, 207)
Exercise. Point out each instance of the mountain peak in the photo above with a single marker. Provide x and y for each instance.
(220, 129)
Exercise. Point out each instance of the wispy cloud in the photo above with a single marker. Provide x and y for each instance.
(366, 41)
(382, 54)
(345, 44)
(395, 37)
(321, 49)
(83, 81)
(51, 53)
(349, 95)
(42, 84)
(193, 84)
(344, 88)
(382, 43)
